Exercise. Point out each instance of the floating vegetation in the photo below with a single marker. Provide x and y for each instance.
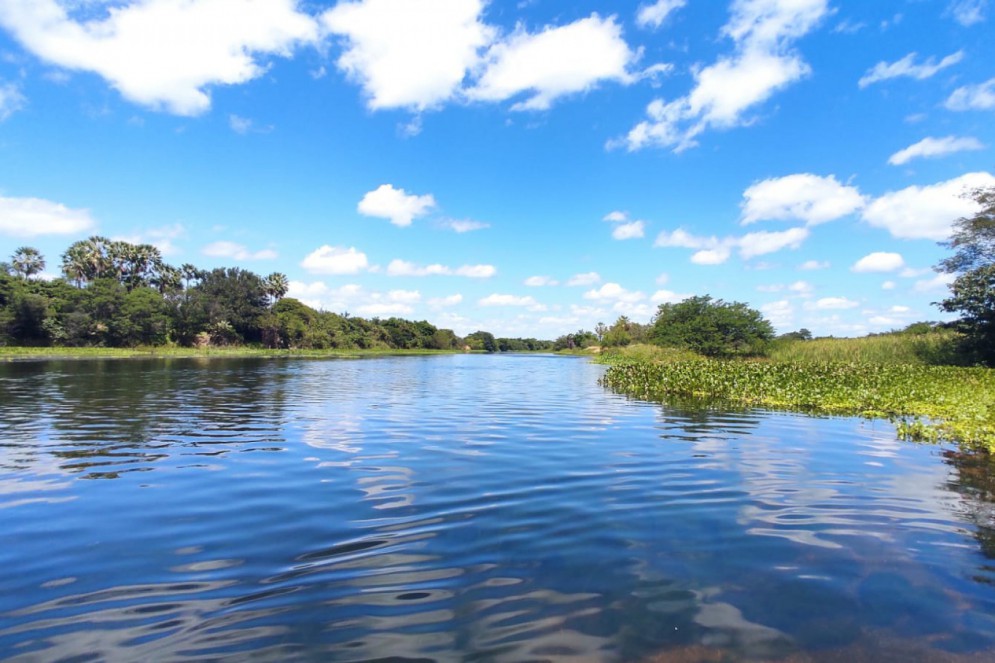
(926, 403)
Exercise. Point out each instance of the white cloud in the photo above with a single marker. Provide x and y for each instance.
(11, 100)
(161, 238)
(31, 217)
(510, 300)
(464, 225)
(161, 53)
(335, 260)
(968, 12)
(973, 97)
(616, 217)
(667, 297)
(934, 147)
(476, 271)
(445, 302)
(762, 243)
(555, 62)
(888, 285)
(225, 249)
(907, 68)
(812, 265)
(354, 298)
(835, 303)
(386, 202)
(879, 261)
(663, 279)
(631, 230)
(715, 251)
(615, 293)
(405, 268)
(780, 313)
(763, 32)
(409, 53)
(801, 288)
(926, 212)
(588, 278)
(240, 125)
(540, 281)
(804, 196)
(938, 283)
(653, 15)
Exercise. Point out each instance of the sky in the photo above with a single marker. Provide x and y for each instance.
(526, 167)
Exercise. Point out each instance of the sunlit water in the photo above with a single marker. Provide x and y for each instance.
(468, 508)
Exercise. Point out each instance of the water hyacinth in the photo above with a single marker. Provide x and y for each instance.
(927, 403)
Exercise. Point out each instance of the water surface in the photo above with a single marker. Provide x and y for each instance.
(468, 508)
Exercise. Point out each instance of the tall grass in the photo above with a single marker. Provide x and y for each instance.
(938, 347)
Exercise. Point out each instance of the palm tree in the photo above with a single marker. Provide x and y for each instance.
(276, 286)
(75, 263)
(27, 261)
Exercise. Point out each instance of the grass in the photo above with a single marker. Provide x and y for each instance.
(926, 403)
(938, 347)
(27, 353)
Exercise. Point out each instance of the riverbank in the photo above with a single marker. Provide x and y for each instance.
(926, 403)
(28, 353)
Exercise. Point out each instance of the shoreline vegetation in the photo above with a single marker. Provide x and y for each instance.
(889, 377)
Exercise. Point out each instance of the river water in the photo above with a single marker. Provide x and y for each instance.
(468, 508)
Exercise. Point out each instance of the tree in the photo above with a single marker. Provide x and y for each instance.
(276, 285)
(712, 327)
(973, 289)
(27, 261)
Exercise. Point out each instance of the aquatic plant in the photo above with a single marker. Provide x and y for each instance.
(927, 403)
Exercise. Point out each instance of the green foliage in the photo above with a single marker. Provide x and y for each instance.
(579, 340)
(482, 341)
(973, 291)
(973, 296)
(927, 402)
(27, 261)
(712, 327)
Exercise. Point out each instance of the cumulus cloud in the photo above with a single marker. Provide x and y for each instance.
(879, 261)
(463, 225)
(540, 281)
(354, 298)
(163, 54)
(927, 212)
(555, 62)
(763, 62)
(907, 68)
(588, 278)
(335, 260)
(803, 196)
(780, 313)
(445, 302)
(31, 217)
(938, 283)
(654, 15)
(409, 53)
(614, 292)
(225, 249)
(835, 303)
(715, 251)
(934, 147)
(401, 208)
(631, 230)
(667, 297)
(968, 12)
(405, 268)
(511, 300)
(973, 97)
(11, 100)
(812, 265)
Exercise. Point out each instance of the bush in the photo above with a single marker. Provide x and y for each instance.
(713, 328)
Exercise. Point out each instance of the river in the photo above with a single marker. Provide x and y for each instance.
(468, 508)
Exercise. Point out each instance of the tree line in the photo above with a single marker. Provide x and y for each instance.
(118, 294)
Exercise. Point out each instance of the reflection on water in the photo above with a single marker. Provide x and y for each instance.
(469, 508)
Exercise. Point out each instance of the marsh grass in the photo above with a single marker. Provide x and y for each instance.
(935, 348)
(926, 403)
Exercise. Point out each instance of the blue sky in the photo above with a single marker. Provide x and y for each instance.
(529, 168)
